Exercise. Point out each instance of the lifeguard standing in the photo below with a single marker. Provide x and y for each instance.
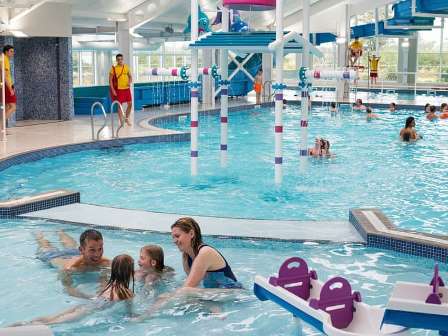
(374, 61)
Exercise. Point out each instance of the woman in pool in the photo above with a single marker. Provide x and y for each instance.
(370, 115)
(321, 148)
(392, 107)
(444, 112)
(201, 262)
(117, 289)
(359, 105)
(408, 133)
(427, 107)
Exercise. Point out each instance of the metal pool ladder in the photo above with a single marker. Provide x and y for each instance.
(116, 102)
(92, 109)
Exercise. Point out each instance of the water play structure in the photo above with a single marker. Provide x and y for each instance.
(334, 309)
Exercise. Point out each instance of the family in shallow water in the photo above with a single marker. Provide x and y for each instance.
(204, 266)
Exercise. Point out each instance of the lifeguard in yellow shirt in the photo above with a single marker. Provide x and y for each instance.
(10, 94)
(120, 79)
(355, 51)
(374, 61)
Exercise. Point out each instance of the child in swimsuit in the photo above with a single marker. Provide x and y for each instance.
(152, 265)
(258, 86)
(117, 289)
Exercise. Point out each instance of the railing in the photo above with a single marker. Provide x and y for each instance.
(120, 117)
(92, 110)
(268, 85)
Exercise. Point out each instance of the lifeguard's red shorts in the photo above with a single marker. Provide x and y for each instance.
(10, 98)
(123, 95)
(373, 74)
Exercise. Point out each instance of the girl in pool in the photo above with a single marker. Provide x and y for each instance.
(333, 108)
(359, 105)
(408, 133)
(152, 265)
(444, 112)
(117, 289)
(427, 106)
(321, 148)
(431, 115)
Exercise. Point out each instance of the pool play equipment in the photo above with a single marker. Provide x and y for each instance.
(203, 23)
(334, 309)
(417, 305)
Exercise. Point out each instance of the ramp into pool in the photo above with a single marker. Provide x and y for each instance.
(139, 220)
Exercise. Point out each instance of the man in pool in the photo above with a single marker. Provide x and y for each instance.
(87, 257)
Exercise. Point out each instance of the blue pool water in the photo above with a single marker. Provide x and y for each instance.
(30, 288)
(372, 168)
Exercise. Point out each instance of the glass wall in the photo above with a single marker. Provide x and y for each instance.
(84, 64)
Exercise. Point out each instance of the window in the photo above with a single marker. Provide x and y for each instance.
(75, 68)
(143, 66)
(87, 68)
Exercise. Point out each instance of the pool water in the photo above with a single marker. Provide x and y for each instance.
(31, 288)
(372, 168)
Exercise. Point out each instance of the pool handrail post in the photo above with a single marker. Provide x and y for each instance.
(92, 109)
(224, 91)
(194, 90)
(121, 122)
(303, 150)
(3, 82)
(278, 129)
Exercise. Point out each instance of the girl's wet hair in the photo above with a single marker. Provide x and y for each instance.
(122, 272)
(409, 121)
(188, 224)
(155, 252)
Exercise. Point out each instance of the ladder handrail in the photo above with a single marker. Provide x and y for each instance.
(92, 109)
(270, 90)
(116, 102)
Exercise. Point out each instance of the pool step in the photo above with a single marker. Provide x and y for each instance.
(108, 217)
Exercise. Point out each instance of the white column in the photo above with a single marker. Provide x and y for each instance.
(194, 153)
(278, 128)
(343, 87)
(377, 31)
(125, 48)
(303, 150)
(223, 64)
(207, 80)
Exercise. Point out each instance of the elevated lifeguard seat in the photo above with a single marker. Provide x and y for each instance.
(250, 5)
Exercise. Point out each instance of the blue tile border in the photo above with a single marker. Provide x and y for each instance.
(393, 238)
(39, 202)
(102, 144)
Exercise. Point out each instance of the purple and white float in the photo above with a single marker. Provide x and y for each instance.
(421, 306)
(330, 307)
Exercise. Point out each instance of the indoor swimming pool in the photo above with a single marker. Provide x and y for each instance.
(33, 289)
(371, 168)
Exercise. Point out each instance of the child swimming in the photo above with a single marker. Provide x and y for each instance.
(152, 265)
(117, 289)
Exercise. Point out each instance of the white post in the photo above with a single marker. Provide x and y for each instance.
(303, 150)
(377, 32)
(125, 48)
(194, 90)
(3, 99)
(278, 160)
(223, 64)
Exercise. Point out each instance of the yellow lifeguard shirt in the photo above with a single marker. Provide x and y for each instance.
(356, 45)
(122, 73)
(7, 69)
(374, 63)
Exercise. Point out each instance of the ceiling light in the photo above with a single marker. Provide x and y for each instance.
(116, 19)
